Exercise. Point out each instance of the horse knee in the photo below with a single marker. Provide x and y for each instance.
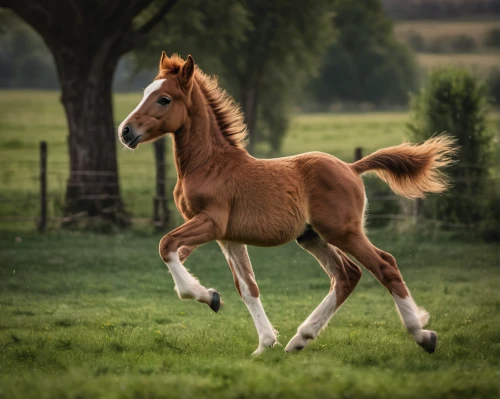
(354, 273)
(352, 270)
(388, 262)
(184, 253)
(168, 246)
(391, 276)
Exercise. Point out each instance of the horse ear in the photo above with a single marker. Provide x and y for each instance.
(187, 70)
(163, 58)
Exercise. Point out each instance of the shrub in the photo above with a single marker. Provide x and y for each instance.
(382, 203)
(492, 38)
(462, 43)
(416, 41)
(439, 45)
(494, 85)
(456, 102)
(366, 63)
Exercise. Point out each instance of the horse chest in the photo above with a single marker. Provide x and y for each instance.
(189, 202)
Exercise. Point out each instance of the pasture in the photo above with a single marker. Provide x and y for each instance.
(27, 117)
(480, 63)
(86, 316)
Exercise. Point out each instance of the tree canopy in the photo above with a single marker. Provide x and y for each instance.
(86, 40)
(365, 63)
(263, 52)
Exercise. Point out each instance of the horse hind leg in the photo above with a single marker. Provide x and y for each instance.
(344, 275)
(383, 266)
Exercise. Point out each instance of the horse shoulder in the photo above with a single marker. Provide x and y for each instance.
(199, 193)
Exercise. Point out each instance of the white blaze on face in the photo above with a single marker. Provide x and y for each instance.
(147, 92)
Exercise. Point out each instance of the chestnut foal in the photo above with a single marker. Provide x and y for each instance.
(225, 194)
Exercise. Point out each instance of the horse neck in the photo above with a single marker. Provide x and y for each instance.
(200, 140)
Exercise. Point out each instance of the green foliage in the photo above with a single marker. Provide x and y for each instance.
(382, 202)
(263, 53)
(492, 38)
(416, 41)
(366, 63)
(454, 101)
(24, 58)
(274, 120)
(200, 28)
(89, 316)
(458, 43)
(440, 10)
(284, 48)
(463, 43)
(494, 85)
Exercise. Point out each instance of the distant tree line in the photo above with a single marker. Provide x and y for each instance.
(365, 64)
(270, 56)
(439, 9)
(452, 43)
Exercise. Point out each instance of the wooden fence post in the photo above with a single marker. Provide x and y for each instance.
(417, 210)
(358, 154)
(160, 207)
(42, 223)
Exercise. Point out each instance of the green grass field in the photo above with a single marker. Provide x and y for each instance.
(85, 316)
(480, 63)
(27, 117)
(89, 316)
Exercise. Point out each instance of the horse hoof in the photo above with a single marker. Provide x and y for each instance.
(215, 302)
(296, 348)
(258, 351)
(297, 343)
(429, 345)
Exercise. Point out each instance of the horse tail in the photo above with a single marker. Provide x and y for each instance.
(412, 170)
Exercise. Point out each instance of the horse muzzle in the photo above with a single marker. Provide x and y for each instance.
(129, 137)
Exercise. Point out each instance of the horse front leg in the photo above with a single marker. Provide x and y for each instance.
(174, 249)
(185, 251)
(244, 280)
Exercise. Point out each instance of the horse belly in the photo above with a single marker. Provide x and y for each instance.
(266, 225)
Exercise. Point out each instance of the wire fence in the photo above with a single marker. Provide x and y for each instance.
(35, 193)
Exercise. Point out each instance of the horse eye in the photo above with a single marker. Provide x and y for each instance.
(164, 101)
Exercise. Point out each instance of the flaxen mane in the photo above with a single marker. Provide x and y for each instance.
(227, 112)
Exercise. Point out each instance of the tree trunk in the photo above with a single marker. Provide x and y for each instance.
(93, 191)
(86, 42)
(250, 109)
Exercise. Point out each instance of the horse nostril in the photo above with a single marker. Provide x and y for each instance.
(125, 130)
